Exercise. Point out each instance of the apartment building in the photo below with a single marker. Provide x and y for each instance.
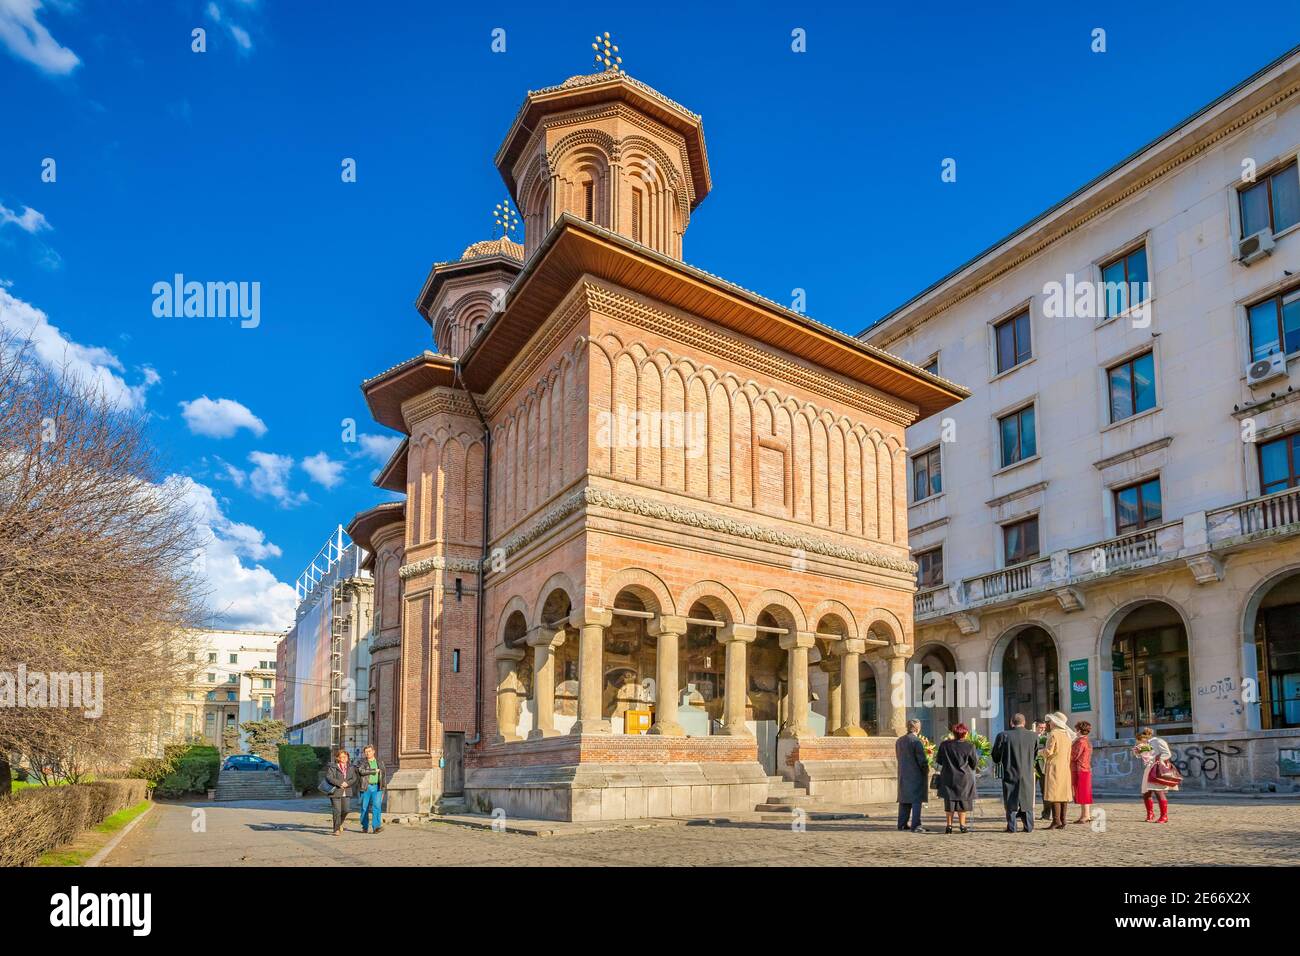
(1110, 524)
(234, 682)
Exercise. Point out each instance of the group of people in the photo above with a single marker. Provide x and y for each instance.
(1053, 755)
(346, 778)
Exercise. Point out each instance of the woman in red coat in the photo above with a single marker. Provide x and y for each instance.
(1081, 771)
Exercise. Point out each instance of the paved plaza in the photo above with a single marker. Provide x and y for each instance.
(296, 833)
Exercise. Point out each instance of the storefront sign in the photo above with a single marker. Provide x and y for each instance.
(1080, 688)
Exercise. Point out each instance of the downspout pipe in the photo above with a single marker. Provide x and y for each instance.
(480, 627)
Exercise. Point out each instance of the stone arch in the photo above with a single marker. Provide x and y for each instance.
(1105, 705)
(648, 588)
(515, 605)
(777, 599)
(1251, 665)
(556, 582)
(886, 624)
(997, 654)
(722, 603)
(838, 609)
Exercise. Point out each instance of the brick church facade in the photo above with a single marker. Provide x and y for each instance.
(651, 556)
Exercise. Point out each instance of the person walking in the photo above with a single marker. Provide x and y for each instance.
(1159, 775)
(913, 777)
(958, 761)
(1081, 771)
(340, 777)
(1014, 753)
(370, 784)
(1056, 768)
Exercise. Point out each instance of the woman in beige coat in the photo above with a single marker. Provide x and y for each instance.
(1056, 768)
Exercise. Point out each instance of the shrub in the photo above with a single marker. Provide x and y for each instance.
(37, 819)
(300, 764)
(188, 768)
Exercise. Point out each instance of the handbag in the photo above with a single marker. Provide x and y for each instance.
(1165, 774)
(326, 787)
(934, 781)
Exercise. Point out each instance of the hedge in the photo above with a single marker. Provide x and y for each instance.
(300, 763)
(187, 768)
(35, 820)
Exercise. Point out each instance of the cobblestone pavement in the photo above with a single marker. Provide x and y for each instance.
(296, 833)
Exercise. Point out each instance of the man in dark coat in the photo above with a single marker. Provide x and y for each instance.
(913, 777)
(1013, 753)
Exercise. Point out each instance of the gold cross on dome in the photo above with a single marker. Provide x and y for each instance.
(607, 57)
(506, 218)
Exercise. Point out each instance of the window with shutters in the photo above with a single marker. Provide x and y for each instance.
(636, 214)
(589, 201)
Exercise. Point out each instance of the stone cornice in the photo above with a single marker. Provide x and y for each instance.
(707, 521)
(1132, 453)
(438, 563)
(693, 334)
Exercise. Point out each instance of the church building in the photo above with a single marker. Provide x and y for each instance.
(651, 557)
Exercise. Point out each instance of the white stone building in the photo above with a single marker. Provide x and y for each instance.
(1111, 522)
(234, 682)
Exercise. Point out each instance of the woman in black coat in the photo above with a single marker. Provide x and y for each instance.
(958, 761)
(339, 774)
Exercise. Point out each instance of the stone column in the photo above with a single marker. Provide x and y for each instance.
(591, 673)
(850, 682)
(669, 631)
(796, 646)
(736, 637)
(508, 659)
(544, 642)
(898, 656)
(830, 665)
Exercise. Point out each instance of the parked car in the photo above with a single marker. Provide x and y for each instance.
(247, 762)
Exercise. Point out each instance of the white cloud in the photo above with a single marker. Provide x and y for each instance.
(29, 220)
(270, 478)
(323, 469)
(220, 418)
(379, 447)
(92, 364)
(28, 39)
(239, 595)
(237, 33)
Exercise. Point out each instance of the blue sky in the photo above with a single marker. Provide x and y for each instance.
(225, 166)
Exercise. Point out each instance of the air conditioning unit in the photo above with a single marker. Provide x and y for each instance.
(1261, 370)
(1255, 247)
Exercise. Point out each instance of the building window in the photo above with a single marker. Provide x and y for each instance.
(1151, 672)
(636, 215)
(266, 707)
(1275, 325)
(234, 658)
(211, 695)
(266, 683)
(192, 657)
(1013, 345)
(189, 695)
(189, 726)
(212, 658)
(927, 475)
(1018, 439)
(1278, 463)
(1132, 386)
(589, 201)
(929, 567)
(455, 661)
(1020, 541)
(212, 678)
(1273, 203)
(1137, 506)
(230, 695)
(1125, 282)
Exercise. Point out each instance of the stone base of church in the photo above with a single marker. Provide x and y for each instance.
(595, 777)
(410, 793)
(841, 770)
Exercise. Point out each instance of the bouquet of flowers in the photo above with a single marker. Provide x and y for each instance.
(930, 750)
(983, 749)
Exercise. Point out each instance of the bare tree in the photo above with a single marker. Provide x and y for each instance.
(97, 571)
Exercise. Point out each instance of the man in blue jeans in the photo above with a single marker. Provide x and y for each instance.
(370, 784)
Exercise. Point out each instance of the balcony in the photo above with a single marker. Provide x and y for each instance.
(1198, 541)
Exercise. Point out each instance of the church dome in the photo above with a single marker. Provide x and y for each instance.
(494, 247)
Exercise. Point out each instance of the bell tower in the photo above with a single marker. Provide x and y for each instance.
(608, 149)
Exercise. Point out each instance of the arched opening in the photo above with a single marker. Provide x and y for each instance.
(1150, 668)
(1030, 675)
(704, 668)
(932, 673)
(515, 680)
(825, 674)
(555, 615)
(868, 699)
(629, 657)
(765, 696)
(1277, 651)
